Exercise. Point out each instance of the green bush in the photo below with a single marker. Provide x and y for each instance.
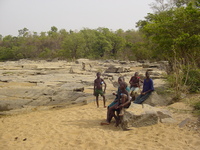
(6, 53)
(46, 53)
(197, 106)
(193, 80)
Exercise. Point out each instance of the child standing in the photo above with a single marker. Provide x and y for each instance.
(98, 89)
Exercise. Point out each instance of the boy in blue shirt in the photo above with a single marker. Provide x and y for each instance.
(147, 89)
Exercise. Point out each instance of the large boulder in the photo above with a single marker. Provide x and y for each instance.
(117, 69)
(144, 115)
(155, 100)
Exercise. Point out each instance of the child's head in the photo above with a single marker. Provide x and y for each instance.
(120, 79)
(123, 85)
(136, 74)
(147, 74)
(98, 74)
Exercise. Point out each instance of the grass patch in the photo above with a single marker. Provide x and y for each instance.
(196, 106)
(8, 73)
(194, 101)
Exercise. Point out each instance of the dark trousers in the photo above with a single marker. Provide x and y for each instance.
(142, 98)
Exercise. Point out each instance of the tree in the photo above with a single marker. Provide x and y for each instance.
(23, 32)
(1, 37)
(53, 31)
(102, 44)
(165, 5)
(175, 36)
(174, 30)
(136, 47)
(72, 46)
(90, 38)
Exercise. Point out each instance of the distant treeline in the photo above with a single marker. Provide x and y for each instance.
(100, 43)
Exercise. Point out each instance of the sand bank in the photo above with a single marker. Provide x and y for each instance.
(78, 128)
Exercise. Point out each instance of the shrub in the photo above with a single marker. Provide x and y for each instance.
(193, 80)
(197, 106)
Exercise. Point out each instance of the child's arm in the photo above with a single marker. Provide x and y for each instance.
(141, 80)
(118, 96)
(105, 85)
(127, 102)
(130, 81)
(94, 87)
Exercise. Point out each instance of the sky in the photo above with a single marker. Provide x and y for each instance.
(40, 15)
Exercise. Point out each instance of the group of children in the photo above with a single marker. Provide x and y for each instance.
(124, 94)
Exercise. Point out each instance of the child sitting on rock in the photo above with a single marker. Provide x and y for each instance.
(148, 88)
(125, 100)
(122, 101)
(135, 85)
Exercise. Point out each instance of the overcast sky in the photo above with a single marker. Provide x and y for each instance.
(41, 15)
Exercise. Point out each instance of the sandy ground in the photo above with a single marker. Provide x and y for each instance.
(78, 128)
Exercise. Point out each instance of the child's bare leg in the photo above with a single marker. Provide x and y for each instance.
(117, 122)
(110, 115)
(97, 101)
(104, 101)
(117, 118)
(121, 111)
(133, 98)
(132, 94)
(124, 98)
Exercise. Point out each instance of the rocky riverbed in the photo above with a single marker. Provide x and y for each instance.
(28, 84)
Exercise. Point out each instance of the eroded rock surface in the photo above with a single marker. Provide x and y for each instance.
(27, 83)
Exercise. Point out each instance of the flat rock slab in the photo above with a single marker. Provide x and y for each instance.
(184, 122)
